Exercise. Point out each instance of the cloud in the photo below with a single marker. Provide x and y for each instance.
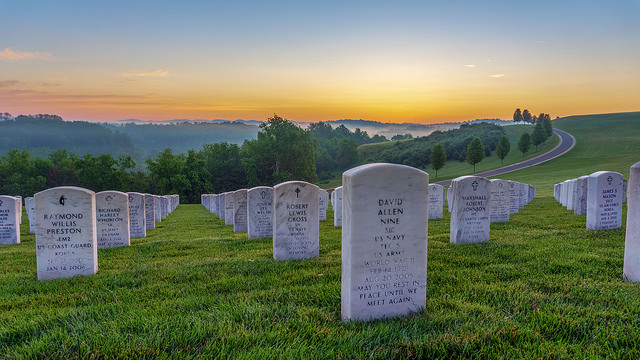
(470, 66)
(157, 73)
(9, 83)
(495, 76)
(15, 55)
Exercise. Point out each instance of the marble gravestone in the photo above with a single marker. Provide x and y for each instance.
(29, 205)
(19, 197)
(157, 208)
(450, 197)
(137, 219)
(499, 205)
(228, 208)
(514, 199)
(295, 221)
(337, 206)
(436, 201)
(571, 193)
(323, 204)
(150, 211)
(66, 242)
(260, 212)
(524, 195)
(240, 210)
(470, 217)
(221, 199)
(604, 200)
(580, 196)
(631, 267)
(9, 220)
(384, 241)
(112, 219)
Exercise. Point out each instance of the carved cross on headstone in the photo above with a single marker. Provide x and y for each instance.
(263, 194)
(297, 190)
(609, 180)
(0, 202)
(474, 185)
(62, 199)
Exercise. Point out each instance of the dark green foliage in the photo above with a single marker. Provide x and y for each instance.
(517, 116)
(475, 152)
(539, 135)
(526, 116)
(438, 157)
(401, 137)
(524, 143)
(503, 148)
(546, 124)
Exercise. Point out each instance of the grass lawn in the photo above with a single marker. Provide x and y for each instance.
(542, 287)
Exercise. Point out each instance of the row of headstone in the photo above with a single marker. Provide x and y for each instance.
(599, 196)
(10, 210)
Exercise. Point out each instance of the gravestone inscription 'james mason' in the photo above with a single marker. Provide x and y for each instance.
(384, 241)
(470, 217)
(260, 212)
(604, 200)
(66, 242)
(112, 219)
(9, 220)
(295, 221)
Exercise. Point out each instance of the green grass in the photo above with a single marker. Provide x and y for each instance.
(453, 169)
(542, 287)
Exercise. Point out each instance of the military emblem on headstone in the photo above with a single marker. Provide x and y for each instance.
(62, 199)
(474, 185)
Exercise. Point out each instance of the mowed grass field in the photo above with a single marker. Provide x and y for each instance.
(542, 287)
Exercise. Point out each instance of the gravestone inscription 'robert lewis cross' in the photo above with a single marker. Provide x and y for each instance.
(604, 200)
(9, 220)
(112, 219)
(470, 216)
(260, 212)
(66, 242)
(295, 222)
(384, 241)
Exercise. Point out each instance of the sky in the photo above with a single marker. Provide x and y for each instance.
(388, 61)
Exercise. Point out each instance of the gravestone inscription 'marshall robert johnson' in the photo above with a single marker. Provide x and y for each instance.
(112, 219)
(295, 222)
(384, 241)
(240, 210)
(260, 212)
(631, 269)
(137, 219)
(66, 242)
(9, 220)
(470, 216)
(604, 200)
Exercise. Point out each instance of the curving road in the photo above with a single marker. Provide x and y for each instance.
(566, 143)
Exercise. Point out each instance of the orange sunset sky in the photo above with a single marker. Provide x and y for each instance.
(388, 61)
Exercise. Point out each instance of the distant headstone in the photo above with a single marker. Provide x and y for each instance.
(337, 206)
(137, 219)
(450, 197)
(66, 242)
(571, 193)
(604, 200)
(323, 204)
(228, 208)
(470, 216)
(631, 268)
(436, 201)
(295, 221)
(112, 219)
(556, 192)
(150, 211)
(157, 208)
(260, 212)
(30, 207)
(240, 210)
(524, 195)
(532, 192)
(514, 197)
(625, 190)
(384, 241)
(9, 220)
(499, 204)
(222, 205)
(565, 193)
(580, 196)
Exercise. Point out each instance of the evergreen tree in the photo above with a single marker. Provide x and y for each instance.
(438, 157)
(503, 148)
(475, 152)
(539, 135)
(517, 116)
(546, 124)
(526, 116)
(524, 143)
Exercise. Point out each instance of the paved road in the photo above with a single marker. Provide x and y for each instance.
(566, 143)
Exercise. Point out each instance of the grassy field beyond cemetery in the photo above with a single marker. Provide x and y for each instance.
(542, 287)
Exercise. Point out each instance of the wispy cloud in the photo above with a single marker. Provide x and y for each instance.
(470, 66)
(157, 73)
(9, 54)
(495, 76)
(9, 83)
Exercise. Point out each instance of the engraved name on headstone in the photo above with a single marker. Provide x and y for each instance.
(112, 219)
(295, 222)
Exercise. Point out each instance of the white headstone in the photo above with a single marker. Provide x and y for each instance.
(295, 221)
(228, 208)
(337, 206)
(240, 210)
(9, 220)
(499, 204)
(514, 197)
(222, 205)
(66, 243)
(470, 216)
(631, 268)
(137, 219)
(571, 193)
(30, 206)
(580, 196)
(604, 200)
(260, 212)
(150, 211)
(323, 204)
(384, 241)
(112, 219)
(436, 201)
(157, 211)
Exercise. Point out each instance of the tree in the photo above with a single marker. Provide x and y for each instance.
(475, 152)
(347, 153)
(526, 116)
(524, 143)
(539, 135)
(517, 116)
(546, 124)
(438, 157)
(503, 148)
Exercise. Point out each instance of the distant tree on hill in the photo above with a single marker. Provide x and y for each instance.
(347, 153)
(438, 157)
(517, 116)
(401, 137)
(548, 128)
(539, 135)
(524, 143)
(526, 116)
(475, 152)
(503, 148)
